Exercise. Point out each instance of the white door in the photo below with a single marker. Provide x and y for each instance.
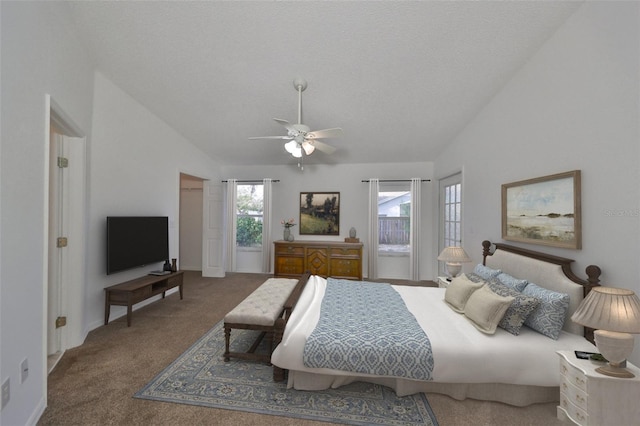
(212, 234)
(66, 242)
(450, 232)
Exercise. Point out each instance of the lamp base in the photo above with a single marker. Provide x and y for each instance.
(454, 268)
(619, 372)
(616, 347)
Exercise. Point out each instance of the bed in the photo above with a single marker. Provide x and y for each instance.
(517, 369)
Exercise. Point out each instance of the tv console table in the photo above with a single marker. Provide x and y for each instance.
(131, 292)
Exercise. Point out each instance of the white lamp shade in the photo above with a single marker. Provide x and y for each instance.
(608, 308)
(454, 254)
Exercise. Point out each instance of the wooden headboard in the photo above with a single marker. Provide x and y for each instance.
(545, 270)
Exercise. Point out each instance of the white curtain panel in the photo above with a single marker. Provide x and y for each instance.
(231, 222)
(374, 188)
(266, 225)
(414, 232)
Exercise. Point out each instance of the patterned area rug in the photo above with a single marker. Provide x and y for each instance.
(201, 377)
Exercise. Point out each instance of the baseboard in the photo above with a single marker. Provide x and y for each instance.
(37, 413)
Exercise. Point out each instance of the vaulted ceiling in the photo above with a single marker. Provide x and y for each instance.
(402, 79)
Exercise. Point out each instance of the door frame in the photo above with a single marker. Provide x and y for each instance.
(73, 333)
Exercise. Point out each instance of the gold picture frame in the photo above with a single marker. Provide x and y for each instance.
(544, 210)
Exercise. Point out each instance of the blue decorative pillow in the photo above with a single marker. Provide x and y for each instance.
(486, 272)
(512, 282)
(519, 310)
(548, 318)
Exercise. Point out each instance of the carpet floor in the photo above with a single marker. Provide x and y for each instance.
(201, 377)
(94, 384)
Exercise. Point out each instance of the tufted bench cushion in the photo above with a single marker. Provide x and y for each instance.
(258, 311)
(264, 305)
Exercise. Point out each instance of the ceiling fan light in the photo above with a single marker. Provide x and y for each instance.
(297, 152)
(308, 148)
(291, 147)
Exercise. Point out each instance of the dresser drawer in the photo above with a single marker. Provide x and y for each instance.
(573, 375)
(345, 267)
(344, 252)
(287, 250)
(290, 265)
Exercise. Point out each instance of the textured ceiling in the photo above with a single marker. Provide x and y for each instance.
(401, 78)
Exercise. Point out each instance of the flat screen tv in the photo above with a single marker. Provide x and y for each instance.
(134, 241)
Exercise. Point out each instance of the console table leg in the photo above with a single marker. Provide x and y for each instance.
(180, 287)
(129, 309)
(107, 309)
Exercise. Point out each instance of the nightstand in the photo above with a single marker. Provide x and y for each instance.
(590, 398)
(443, 282)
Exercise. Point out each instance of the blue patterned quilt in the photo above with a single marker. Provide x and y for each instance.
(366, 327)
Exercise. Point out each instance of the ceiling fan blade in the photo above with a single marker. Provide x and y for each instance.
(321, 146)
(325, 134)
(272, 137)
(286, 125)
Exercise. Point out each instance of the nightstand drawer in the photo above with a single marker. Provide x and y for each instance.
(576, 396)
(573, 375)
(443, 282)
(576, 414)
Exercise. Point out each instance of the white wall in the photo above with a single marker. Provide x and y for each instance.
(135, 163)
(354, 210)
(41, 55)
(574, 105)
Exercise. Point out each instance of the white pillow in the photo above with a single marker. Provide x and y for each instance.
(458, 292)
(485, 309)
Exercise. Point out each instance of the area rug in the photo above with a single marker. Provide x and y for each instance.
(201, 377)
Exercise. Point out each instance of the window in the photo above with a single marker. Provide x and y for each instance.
(394, 219)
(249, 210)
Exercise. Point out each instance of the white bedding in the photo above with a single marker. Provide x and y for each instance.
(462, 354)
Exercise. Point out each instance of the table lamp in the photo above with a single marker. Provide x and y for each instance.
(614, 313)
(453, 258)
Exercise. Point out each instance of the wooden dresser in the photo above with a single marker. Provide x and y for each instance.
(325, 258)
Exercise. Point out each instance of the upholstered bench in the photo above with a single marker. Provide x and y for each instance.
(259, 311)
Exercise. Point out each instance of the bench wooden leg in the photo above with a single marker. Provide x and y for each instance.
(227, 336)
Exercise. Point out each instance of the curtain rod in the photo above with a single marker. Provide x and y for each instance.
(252, 181)
(398, 180)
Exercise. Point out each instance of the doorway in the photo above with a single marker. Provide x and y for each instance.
(64, 290)
(190, 223)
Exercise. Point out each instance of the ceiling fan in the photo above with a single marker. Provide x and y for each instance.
(301, 140)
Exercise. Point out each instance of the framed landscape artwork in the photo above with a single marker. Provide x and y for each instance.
(319, 213)
(544, 210)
